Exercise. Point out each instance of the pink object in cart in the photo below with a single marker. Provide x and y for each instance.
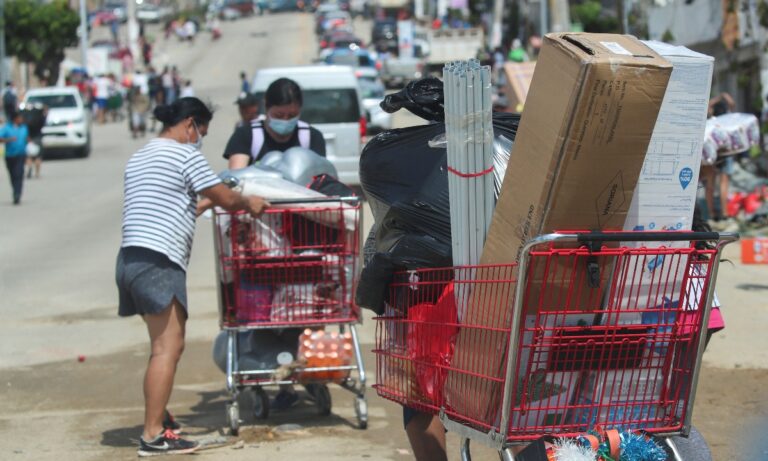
(254, 303)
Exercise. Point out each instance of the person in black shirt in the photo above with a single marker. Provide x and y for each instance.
(280, 130)
(34, 117)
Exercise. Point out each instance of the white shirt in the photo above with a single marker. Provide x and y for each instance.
(187, 92)
(102, 87)
(162, 180)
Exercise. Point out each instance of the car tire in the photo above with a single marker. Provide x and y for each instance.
(84, 151)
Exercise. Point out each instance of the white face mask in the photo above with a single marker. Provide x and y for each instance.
(199, 143)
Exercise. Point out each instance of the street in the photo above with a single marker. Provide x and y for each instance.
(58, 301)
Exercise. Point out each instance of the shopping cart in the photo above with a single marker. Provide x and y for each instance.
(295, 267)
(587, 330)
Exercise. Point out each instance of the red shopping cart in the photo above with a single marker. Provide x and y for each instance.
(587, 330)
(294, 268)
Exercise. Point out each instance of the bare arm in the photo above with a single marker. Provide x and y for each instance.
(237, 161)
(223, 196)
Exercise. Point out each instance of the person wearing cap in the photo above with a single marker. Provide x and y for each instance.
(248, 107)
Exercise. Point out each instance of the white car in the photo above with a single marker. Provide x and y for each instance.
(333, 105)
(372, 91)
(68, 125)
(152, 13)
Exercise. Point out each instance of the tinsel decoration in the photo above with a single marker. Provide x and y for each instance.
(571, 450)
(633, 447)
(637, 447)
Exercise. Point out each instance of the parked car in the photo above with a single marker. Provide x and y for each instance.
(353, 56)
(335, 20)
(68, 126)
(277, 6)
(244, 7)
(333, 105)
(339, 39)
(147, 12)
(372, 91)
(118, 9)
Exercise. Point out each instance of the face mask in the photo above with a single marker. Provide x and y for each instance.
(283, 127)
(199, 143)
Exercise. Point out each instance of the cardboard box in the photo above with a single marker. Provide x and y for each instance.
(578, 153)
(518, 76)
(665, 196)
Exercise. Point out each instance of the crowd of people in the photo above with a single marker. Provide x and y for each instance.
(134, 96)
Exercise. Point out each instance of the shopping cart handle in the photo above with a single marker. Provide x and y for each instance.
(642, 236)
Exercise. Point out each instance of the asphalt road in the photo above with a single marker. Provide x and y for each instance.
(58, 301)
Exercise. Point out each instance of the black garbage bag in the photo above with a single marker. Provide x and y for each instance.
(423, 98)
(405, 180)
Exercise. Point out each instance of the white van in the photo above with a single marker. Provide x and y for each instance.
(332, 104)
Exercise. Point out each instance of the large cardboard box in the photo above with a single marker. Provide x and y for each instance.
(665, 196)
(578, 153)
(518, 76)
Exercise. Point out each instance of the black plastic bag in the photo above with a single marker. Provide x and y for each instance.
(423, 98)
(406, 183)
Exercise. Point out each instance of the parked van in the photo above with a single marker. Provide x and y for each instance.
(333, 105)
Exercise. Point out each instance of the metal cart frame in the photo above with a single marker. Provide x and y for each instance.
(238, 380)
(498, 437)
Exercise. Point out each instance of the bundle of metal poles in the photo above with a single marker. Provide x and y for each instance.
(469, 133)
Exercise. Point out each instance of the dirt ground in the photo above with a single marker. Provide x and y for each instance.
(92, 411)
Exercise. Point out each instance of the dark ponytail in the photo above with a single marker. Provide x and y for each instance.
(281, 92)
(173, 114)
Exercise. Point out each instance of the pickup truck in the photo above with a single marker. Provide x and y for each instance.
(446, 45)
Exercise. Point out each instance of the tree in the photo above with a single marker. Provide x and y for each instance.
(38, 33)
(591, 15)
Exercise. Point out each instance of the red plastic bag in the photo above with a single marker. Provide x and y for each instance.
(431, 340)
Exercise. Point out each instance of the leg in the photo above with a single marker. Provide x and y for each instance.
(15, 166)
(427, 437)
(38, 164)
(708, 176)
(166, 332)
(724, 180)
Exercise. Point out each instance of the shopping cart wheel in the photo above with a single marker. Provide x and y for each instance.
(361, 411)
(323, 400)
(233, 418)
(260, 403)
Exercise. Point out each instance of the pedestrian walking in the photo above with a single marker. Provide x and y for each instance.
(162, 183)
(10, 101)
(169, 87)
(187, 91)
(14, 135)
(34, 117)
(102, 87)
(245, 87)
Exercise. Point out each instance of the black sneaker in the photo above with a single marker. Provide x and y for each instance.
(166, 443)
(170, 423)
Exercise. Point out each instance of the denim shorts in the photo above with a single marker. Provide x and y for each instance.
(147, 282)
(726, 165)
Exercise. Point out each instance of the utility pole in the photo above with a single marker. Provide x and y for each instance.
(620, 6)
(544, 17)
(83, 35)
(133, 30)
(3, 77)
(498, 11)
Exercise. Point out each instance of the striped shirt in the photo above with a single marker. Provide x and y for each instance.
(162, 181)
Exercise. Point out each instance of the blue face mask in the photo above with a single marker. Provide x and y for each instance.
(283, 127)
